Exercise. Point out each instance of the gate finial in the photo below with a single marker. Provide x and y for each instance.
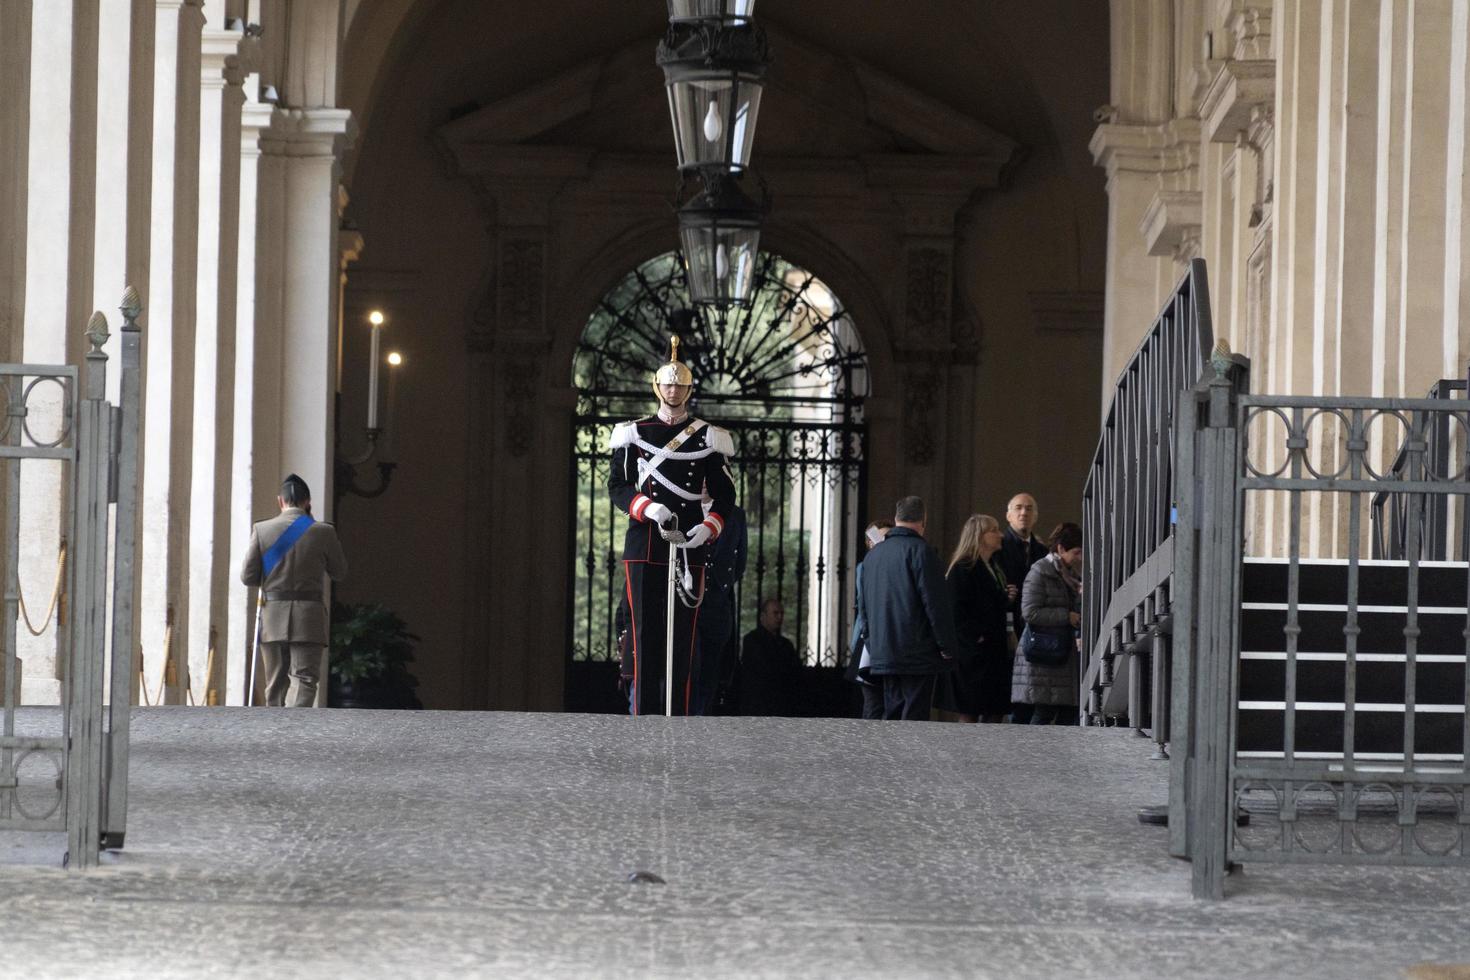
(1220, 359)
(97, 332)
(132, 308)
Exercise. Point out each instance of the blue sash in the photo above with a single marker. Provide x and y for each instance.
(289, 537)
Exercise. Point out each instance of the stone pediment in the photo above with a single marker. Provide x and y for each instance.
(818, 105)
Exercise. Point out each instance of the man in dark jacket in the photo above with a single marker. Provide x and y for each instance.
(715, 668)
(770, 669)
(910, 622)
(1019, 550)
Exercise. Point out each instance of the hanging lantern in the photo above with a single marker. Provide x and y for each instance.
(714, 71)
(720, 233)
(726, 11)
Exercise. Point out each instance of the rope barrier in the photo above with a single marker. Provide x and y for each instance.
(211, 696)
(168, 677)
(55, 596)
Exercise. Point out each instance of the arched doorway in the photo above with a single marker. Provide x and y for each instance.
(788, 378)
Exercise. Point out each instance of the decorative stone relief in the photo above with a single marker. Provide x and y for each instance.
(521, 366)
(521, 282)
(927, 284)
(920, 384)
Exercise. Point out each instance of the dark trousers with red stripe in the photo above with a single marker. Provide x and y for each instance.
(647, 587)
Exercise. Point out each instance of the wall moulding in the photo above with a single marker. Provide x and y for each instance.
(1173, 218)
(1233, 95)
(1170, 148)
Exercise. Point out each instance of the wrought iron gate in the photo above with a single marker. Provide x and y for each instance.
(1365, 756)
(66, 770)
(787, 377)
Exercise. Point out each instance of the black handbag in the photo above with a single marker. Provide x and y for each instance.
(1046, 648)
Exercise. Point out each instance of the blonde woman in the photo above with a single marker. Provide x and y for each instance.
(980, 689)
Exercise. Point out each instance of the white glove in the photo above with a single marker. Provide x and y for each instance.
(658, 513)
(697, 537)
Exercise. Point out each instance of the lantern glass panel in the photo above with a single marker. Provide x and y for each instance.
(714, 120)
(720, 262)
(727, 10)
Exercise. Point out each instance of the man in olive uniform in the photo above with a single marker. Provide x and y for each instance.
(288, 556)
(660, 465)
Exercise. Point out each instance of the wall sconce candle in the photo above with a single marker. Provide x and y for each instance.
(376, 319)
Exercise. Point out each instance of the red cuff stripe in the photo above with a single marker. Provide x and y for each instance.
(715, 526)
(636, 509)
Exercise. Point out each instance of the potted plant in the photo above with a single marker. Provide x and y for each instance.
(371, 651)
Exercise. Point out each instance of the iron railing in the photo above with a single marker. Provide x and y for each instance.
(1127, 508)
(1390, 510)
(1390, 783)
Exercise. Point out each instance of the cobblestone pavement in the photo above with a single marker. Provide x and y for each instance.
(432, 844)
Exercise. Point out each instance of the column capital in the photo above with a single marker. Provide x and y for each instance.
(309, 132)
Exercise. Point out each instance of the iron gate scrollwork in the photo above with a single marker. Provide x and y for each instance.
(787, 377)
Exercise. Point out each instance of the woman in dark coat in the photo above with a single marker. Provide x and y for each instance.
(1051, 600)
(981, 686)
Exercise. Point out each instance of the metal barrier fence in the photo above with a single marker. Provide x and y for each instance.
(72, 776)
(1368, 764)
(1128, 533)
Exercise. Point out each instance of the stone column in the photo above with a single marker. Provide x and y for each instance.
(219, 190)
(507, 344)
(112, 171)
(1135, 145)
(245, 478)
(1425, 149)
(170, 308)
(15, 80)
(1457, 244)
(936, 343)
(47, 242)
(312, 141)
(1154, 217)
(15, 48)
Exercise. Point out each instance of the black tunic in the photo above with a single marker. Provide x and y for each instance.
(698, 462)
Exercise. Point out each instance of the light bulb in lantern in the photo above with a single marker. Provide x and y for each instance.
(395, 358)
(722, 262)
(376, 318)
(712, 126)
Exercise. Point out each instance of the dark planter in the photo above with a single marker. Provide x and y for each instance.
(370, 693)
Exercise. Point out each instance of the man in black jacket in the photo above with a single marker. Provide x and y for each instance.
(1019, 550)
(910, 622)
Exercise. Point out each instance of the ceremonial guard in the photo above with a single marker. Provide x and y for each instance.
(662, 466)
(288, 557)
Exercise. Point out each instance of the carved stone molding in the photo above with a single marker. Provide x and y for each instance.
(522, 284)
(927, 278)
(1169, 151)
(1235, 91)
(1249, 25)
(521, 358)
(1173, 219)
(921, 386)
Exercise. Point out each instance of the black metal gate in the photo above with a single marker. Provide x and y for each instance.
(787, 377)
